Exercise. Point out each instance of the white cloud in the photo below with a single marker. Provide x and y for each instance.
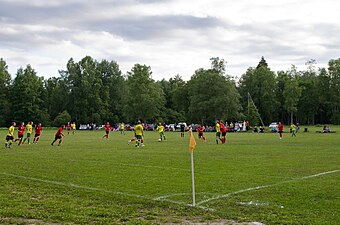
(172, 36)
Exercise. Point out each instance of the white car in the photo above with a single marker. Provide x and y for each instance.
(179, 125)
(274, 126)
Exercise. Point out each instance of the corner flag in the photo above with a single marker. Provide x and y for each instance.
(192, 144)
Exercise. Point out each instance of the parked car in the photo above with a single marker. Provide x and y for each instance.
(171, 127)
(179, 125)
(273, 126)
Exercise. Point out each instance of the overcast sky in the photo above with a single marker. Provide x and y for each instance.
(171, 36)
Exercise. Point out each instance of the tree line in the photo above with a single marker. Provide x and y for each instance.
(91, 91)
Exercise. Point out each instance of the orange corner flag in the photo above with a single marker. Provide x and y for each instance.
(192, 144)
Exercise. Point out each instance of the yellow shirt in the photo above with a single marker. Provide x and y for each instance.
(10, 131)
(139, 129)
(160, 128)
(73, 125)
(29, 128)
(122, 126)
(292, 127)
(218, 129)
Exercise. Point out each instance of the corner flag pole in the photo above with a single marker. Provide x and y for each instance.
(193, 179)
(192, 146)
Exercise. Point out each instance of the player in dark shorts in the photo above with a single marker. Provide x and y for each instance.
(37, 134)
(9, 136)
(200, 130)
(21, 130)
(182, 130)
(223, 131)
(107, 130)
(58, 136)
(68, 128)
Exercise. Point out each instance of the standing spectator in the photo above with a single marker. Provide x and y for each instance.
(182, 130)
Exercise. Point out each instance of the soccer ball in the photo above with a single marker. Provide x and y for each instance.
(159, 140)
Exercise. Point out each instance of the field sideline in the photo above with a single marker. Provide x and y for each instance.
(254, 177)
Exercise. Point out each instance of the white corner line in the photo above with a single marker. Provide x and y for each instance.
(101, 190)
(266, 186)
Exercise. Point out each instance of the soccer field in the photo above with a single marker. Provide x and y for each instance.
(254, 177)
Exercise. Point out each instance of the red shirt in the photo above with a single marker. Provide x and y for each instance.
(38, 129)
(59, 132)
(107, 127)
(223, 128)
(68, 126)
(21, 130)
(200, 129)
(280, 127)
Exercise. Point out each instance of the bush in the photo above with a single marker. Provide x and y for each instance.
(62, 118)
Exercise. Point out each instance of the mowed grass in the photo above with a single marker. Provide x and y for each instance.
(254, 177)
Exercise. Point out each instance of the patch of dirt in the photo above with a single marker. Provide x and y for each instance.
(6, 220)
(221, 222)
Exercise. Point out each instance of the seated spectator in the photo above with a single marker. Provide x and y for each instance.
(261, 129)
(326, 129)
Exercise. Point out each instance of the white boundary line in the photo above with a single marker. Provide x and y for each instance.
(266, 186)
(100, 190)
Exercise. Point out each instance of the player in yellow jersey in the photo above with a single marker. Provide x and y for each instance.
(139, 134)
(122, 128)
(29, 130)
(73, 127)
(10, 136)
(293, 129)
(218, 131)
(160, 129)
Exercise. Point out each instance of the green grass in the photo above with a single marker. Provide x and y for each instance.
(254, 177)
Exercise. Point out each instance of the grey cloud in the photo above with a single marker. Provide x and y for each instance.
(151, 27)
(63, 13)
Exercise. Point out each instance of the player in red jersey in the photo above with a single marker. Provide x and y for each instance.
(59, 135)
(223, 131)
(21, 130)
(68, 128)
(200, 130)
(280, 129)
(107, 130)
(37, 134)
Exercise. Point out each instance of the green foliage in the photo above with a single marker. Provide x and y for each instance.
(334, 72)
(291, 92)
(62, 119)
(26, 95)
(4, 93)
(212, 96)
(96, 92)
(145, 98)
(260, 83)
